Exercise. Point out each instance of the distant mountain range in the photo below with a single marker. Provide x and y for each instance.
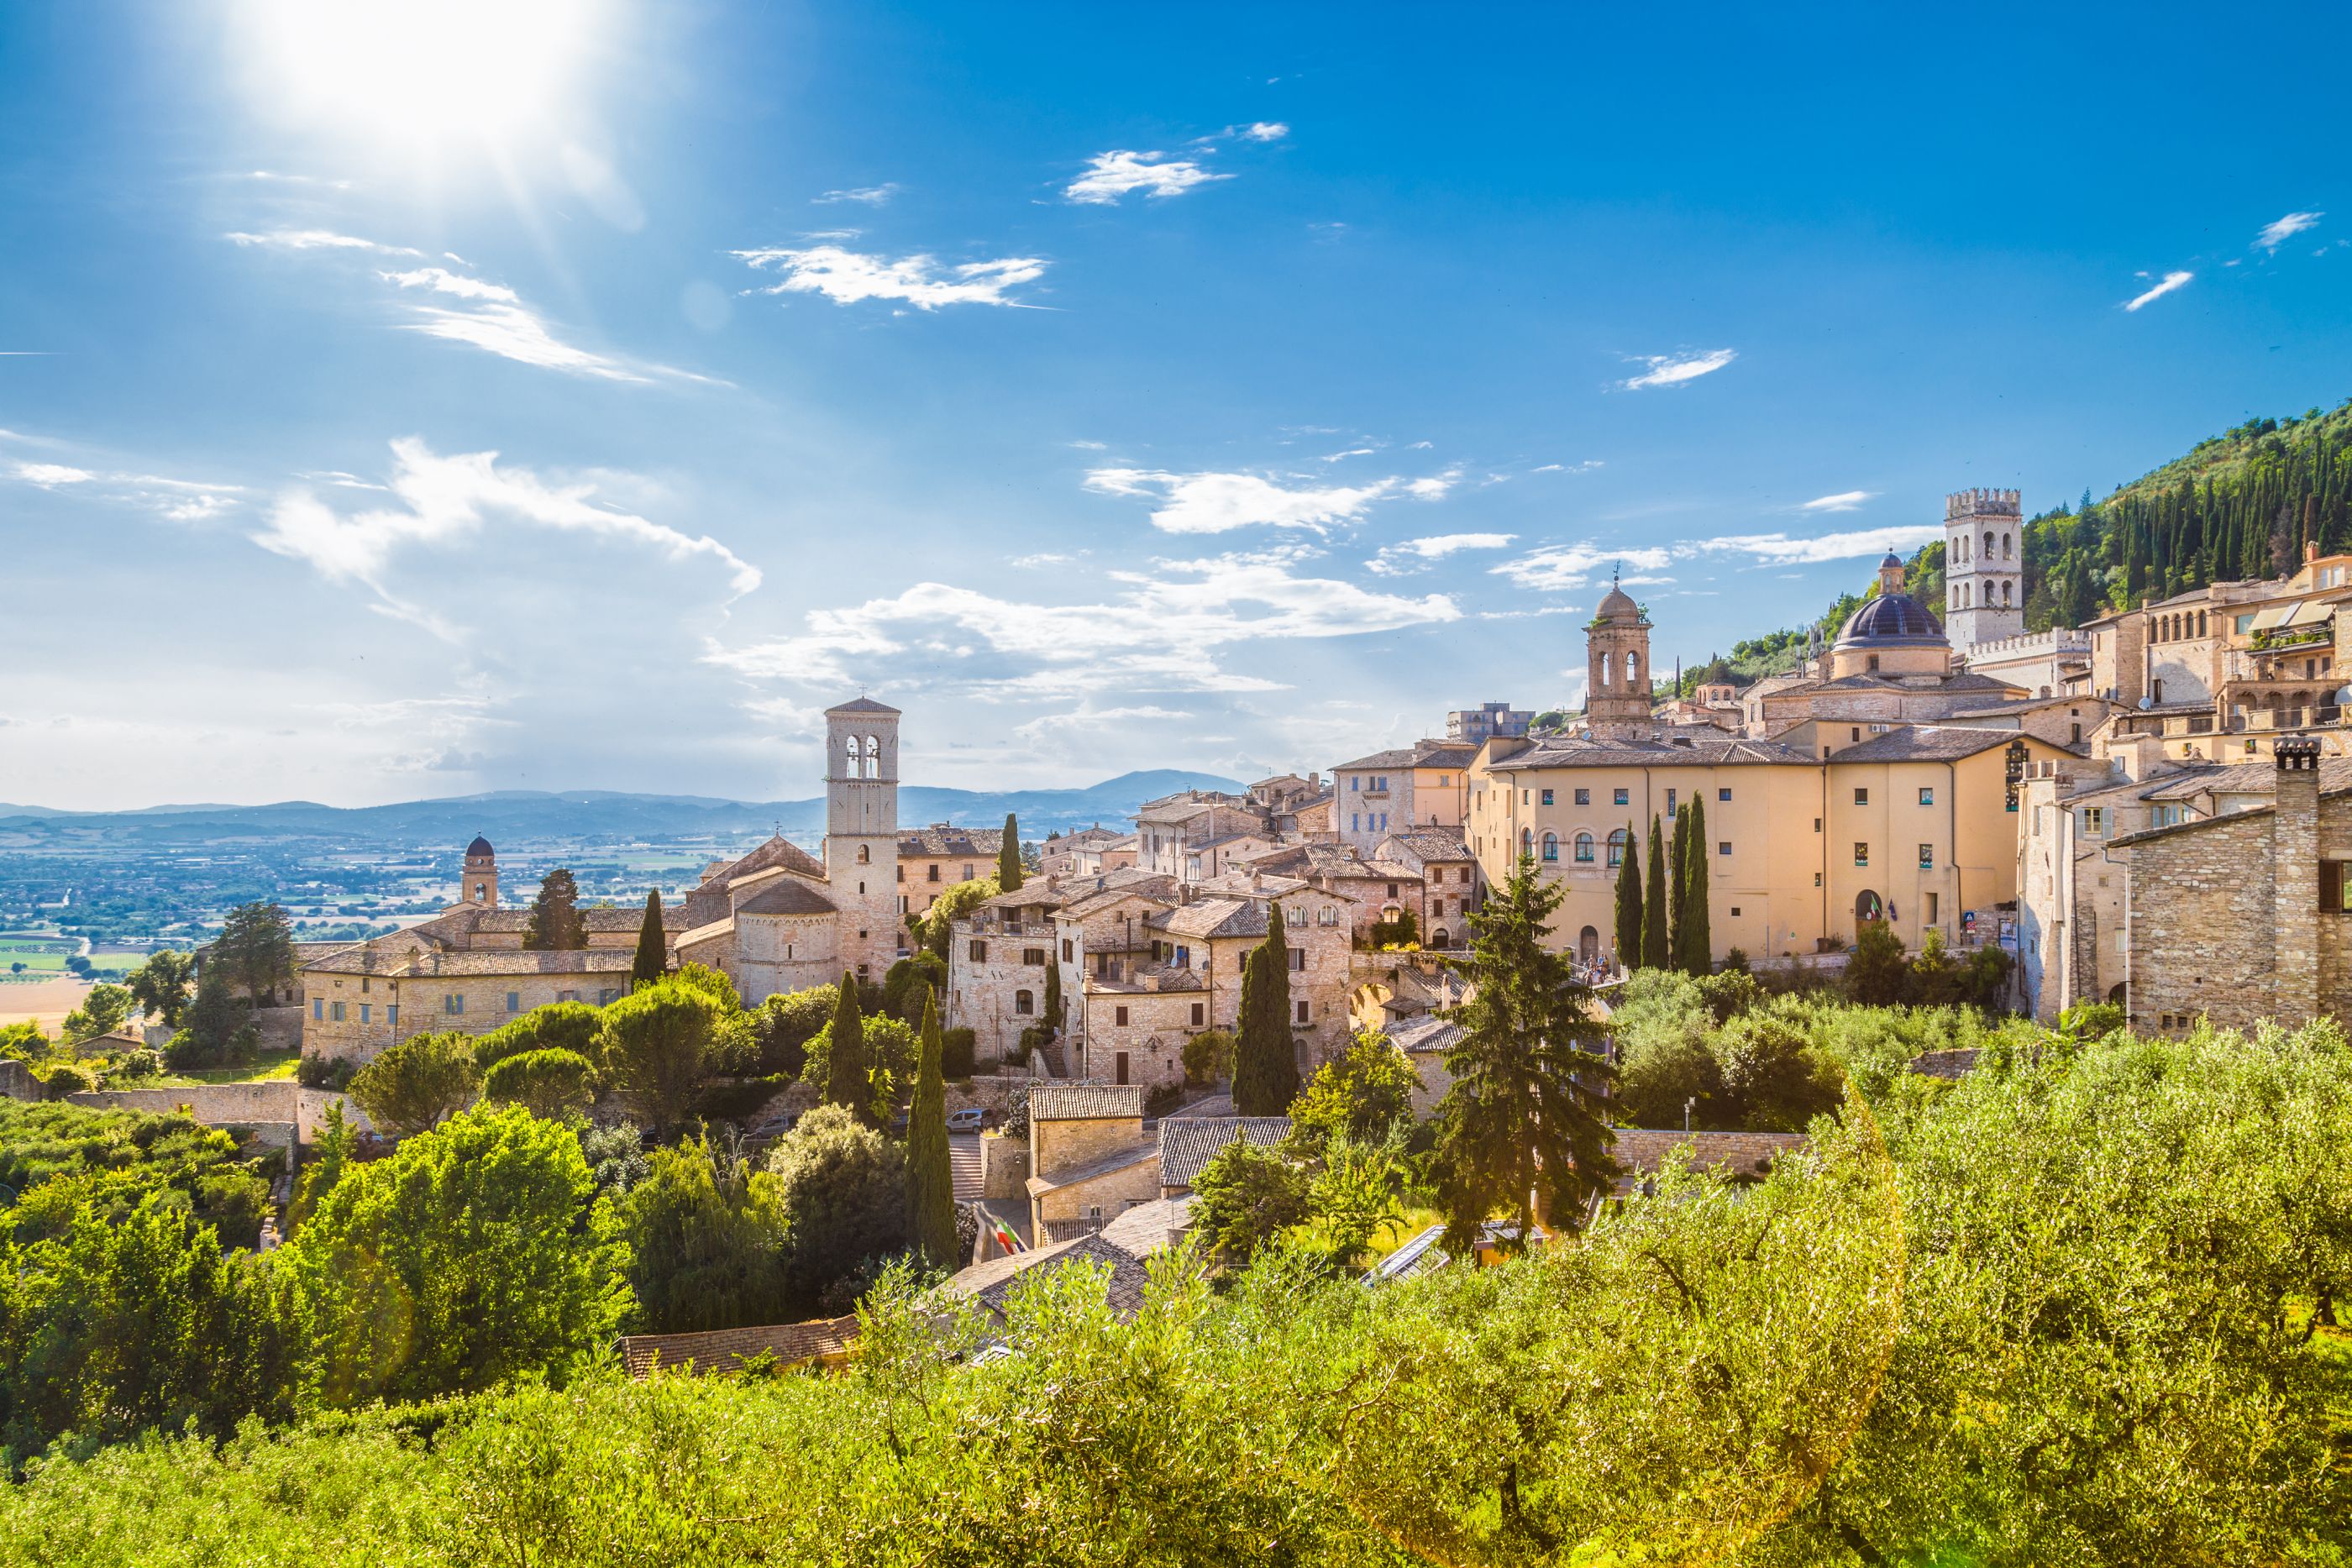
(525, 815)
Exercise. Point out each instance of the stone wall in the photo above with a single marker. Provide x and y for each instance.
(1058, 1147)
(1004, 1168)
(2201, 933)
(16, 1081)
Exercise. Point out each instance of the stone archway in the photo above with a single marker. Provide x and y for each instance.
(1868, 905)
(1441, 938)
(1588, 945)
(2116, 994)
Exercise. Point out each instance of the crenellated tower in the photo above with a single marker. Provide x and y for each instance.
(861, 831)
(1984, 568)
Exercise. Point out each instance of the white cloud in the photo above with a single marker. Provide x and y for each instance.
(1433, 487)
(1220, 503)
(48, 476)
(1559, 569)
(1844, 501)
(1088, 719)
(1266, 131)
(1397, 559)
(1674, 369)
(2172, 280)
(1159, 631)
(847, 277)
(441, 280)
(446, 501)
(2278, 231)
(1587, 466)
(318, 239)
(1110, 175)
(514, 333)
(1781, 550)
(864, 196)
(1042, 558)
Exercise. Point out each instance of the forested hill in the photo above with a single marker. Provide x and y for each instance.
(2239, 505)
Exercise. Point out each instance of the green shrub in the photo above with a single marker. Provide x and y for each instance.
(317, 1071)
(1208, 1057)
(958, 1047)
(554, 1084)
(60, 1079)
(1161, 1099)
(558, 1026)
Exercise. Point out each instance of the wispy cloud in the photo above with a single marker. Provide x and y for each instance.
(441, 280)
(1587, 466)
(49, 475)
(2172, 280)
(1265, 130)
(1158, 631)
(2278, 231)
(1560, 569)
(179, 500)
(1043, 559)
(1110, 175)
(316, 239)
(847, 277)
(273, 177)
(1781, 549)
(441, 502)
(1677, 370)
(1844, 501)
(864, 196)
(1220, 503)
(1413, 554)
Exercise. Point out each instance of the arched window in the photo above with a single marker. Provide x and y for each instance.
(2005, 588)
(1988, 544)
(1617, 837)
(864, 854)
(850, 746)
(1604, 672)
(2006, 542)
(1633, 669)
(1551, 847)
(1526, 840)
(1584, 849)
(872, 758)
(1024, 1002)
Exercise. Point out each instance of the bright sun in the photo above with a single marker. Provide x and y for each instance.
(419, 71)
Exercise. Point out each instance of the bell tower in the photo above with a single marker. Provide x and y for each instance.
(479, 886)
(1984, 568)
(861, 832)
(1617, 667)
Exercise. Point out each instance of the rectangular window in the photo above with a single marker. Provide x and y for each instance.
(1066, 950)
(1735, 912)
(604, 993)
(1546, 796)
(1861, 797)
(1723, 847)
(1352, 825)
(933, 872)
(1670, 805)
(1034, 956)
(335, 1011)
(1931, 909)
(1297, 958)
(2095, 822)
(567, 995)
(365, 1008)
(514, 1002)
(1200, 1014)
(1584, 796)
(2335, 887)
(1622, 799)
(1926, 857)
(1926, 794)
(1862, 854)
(967, 873)
(452, 1003)
(1183, 956)
(1302, 1012)
(318, 1009)
(979, 952)
(1119, 1017)
(1723, 794)
(392, 1014)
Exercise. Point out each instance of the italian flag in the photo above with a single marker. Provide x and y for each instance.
(1003, 1236)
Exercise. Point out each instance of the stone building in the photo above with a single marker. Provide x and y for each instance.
(1984, 566)
(1419, 786)
(932, 860)
(1618, 676)
(1061, 853)
(1000, 960)
(2244, 916)
(1089, 1160)
(1474, 726)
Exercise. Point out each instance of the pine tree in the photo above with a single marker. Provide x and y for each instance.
(1527, 1108)
(1692, 933)
(930, 1184)
(555, 925)
(1629, 902)
(1266, 1063)
(653, 945)
(1008, 857)
(1655, 952)
(849, 1078)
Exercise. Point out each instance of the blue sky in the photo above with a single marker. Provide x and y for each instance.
(448, 396)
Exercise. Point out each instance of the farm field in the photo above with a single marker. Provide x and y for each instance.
(43, 1001)
(39, 955)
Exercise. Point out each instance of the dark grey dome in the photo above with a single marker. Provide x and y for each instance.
(479, 850)
(1892, 621)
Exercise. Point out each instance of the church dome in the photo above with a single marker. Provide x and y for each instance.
(479, 850)
(1618, 606)
(1892, 620)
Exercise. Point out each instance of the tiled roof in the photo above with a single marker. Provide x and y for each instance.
(1426, 1034)
(725, 1350)
(1036, 893)
(1430, 844)
(941, 839)
(512, 961)
(607, 921)
(1144, 1229)
(787, 896)
(1737, 1155)
(1929, 743)
(861, 704)
(1213, 917)
(1111, 889)
(2246, 778)
(1377, 759)
(1086, 1101)
(989, 1285)
(1188, 1142)
(778, 850)
(1573, 752)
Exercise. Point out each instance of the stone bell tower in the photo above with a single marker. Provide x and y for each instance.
(861, 832)
(1617, 667)
(1984, 568)
(479, 886)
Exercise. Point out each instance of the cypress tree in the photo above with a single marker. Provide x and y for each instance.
(1691, 925)
(1266, 1063)
(1629, 902)
(1678, 876)
(849, 1077)
(931, 1186)
(1008, 857)
(1655, 953)
(653, 948)
(1054, 995)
